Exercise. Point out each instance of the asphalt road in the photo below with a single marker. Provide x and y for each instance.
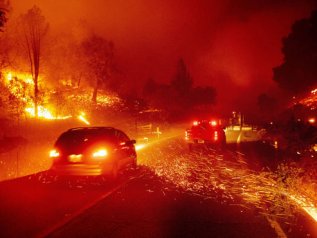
(174, 193)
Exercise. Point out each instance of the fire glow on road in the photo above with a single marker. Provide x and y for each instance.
(227, 178)
(307, 206)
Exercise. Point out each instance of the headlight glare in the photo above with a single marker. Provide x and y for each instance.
(54, 153)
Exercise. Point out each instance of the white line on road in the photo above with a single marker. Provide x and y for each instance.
(66, 220)
(277, 228)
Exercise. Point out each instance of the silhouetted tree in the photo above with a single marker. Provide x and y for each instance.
(149, 88)
(99, 54)
(266, 103)
(4, 42)
(182, 83)
(298, 73)
(4, 8)
(179, 98)
(34, 28)
(203, 96)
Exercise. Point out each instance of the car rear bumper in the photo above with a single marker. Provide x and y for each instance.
(81, 169)
(199, 141)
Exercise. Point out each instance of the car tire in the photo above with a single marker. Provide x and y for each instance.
(134, 164)
(114, 172)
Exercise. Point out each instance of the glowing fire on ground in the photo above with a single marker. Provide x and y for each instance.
(228, 178)
(21, 85)
(310, 100)
(307, 206)
(44, 113)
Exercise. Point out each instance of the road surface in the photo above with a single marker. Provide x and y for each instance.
(174, 193)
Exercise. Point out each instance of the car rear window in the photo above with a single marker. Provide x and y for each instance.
(85, 136)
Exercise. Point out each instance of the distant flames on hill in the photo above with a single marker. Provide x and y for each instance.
(21, 87)
(310, 101)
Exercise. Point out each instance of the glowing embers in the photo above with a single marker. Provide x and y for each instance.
(44, 113)
(23, 77)
(307, 206)
(228, 178)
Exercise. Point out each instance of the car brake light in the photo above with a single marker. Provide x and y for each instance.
(54, 154)
(100, 154)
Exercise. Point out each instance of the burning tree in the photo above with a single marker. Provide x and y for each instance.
(3, 11)
(182, 82)
(99, 55)
(34, 28)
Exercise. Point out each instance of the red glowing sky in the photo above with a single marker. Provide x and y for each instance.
(230, 44)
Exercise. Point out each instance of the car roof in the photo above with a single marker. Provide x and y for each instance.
(92, 128)
(91, 131)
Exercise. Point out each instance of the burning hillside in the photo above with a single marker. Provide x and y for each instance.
(310, 101)
(64, 103)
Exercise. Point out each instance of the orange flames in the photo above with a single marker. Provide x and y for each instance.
(44, 113)
(21, 86)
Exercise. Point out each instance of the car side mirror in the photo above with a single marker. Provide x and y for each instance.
(130, 142)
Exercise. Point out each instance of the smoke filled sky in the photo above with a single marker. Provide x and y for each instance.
(229, 44)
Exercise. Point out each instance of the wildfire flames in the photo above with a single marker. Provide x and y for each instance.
(21, 86)
(311, 100)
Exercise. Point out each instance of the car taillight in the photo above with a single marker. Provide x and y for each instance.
(195, 123)
(100, 154)
(216, 135)
(54, 154)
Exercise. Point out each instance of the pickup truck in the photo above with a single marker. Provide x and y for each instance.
(205, 133)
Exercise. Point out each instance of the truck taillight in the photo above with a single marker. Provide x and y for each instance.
(213, 123)
(186, 135)
(216, 135)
